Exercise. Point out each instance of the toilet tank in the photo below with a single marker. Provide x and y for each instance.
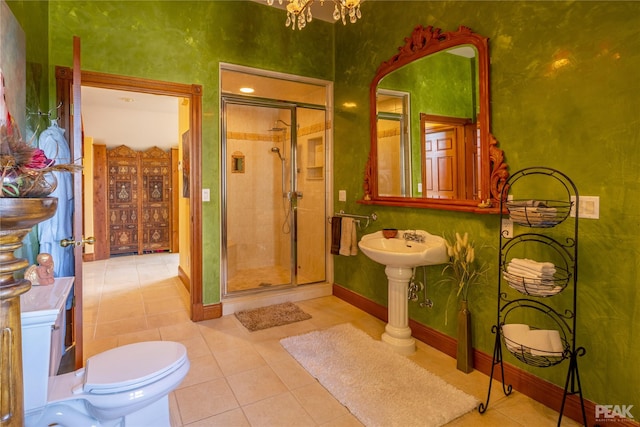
(42, 316)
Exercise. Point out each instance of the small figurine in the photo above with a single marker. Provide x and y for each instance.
(41, 274)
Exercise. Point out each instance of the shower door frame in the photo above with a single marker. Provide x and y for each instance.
(292, 194)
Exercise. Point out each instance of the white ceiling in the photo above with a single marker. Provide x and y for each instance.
(134, 119)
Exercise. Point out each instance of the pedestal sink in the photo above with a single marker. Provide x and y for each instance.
(400, 255)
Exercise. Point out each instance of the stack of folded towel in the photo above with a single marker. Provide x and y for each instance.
(540, 272)
(532, 277)
(532, 212)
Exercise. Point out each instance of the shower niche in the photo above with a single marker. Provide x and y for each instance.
(237, 162)
(315, 158)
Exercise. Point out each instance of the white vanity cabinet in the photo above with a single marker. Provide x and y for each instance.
(43, 325)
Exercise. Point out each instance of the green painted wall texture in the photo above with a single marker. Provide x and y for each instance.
(579, 115)
(581, 118)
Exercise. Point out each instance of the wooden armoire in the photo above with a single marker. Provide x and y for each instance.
(139, 200)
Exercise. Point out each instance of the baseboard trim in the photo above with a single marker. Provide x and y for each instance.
(211, 311)
(524, 382)
(184, 278)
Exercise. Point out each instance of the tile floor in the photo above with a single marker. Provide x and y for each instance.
(242, 378)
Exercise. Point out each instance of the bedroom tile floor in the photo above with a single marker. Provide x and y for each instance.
(242, 378)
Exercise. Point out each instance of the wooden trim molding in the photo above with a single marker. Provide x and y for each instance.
(88, 257)
(524, 382)
(184, 278)
(212, 311)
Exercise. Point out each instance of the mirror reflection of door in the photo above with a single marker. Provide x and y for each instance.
(449, 146)
(440, 163)
(394, 143)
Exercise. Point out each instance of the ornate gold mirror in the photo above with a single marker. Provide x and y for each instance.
(431, 144)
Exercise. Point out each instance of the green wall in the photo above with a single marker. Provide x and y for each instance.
(581, 119)
(33, 18)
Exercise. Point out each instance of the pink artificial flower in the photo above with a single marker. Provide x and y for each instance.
(39, 160)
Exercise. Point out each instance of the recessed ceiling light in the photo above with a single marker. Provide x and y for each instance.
(247, 90)
(126, 99)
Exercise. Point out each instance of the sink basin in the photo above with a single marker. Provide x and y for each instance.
(398, 252)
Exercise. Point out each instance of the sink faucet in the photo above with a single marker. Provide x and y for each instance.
(413, 236)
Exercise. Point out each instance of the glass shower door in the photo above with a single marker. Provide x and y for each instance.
(257, 213)
(310, 209)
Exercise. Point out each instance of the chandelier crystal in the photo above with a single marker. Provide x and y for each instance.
(299, 11)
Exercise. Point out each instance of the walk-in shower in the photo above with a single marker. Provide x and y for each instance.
(274, 213)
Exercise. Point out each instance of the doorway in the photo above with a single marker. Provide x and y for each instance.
(191, 274)
(273, 192)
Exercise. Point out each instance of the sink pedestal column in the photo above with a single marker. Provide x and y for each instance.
(397, 332)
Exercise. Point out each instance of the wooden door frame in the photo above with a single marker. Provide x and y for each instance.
(156, 87)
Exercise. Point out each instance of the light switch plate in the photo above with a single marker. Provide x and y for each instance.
(589, 207)
(206, 195)
(342, 195)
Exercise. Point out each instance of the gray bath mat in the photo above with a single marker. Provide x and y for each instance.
(270, 316)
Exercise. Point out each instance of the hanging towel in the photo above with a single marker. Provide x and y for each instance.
(346, 236)
(336, 233)
(354, 238)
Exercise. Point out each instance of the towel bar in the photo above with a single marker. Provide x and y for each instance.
(357, 218)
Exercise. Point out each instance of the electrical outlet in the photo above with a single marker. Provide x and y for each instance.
(507, 228)
(342, 195)
(589, 207)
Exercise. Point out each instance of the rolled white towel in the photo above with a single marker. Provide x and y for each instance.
(515, 334)
(530, 274)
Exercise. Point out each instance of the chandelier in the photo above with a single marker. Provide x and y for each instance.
(299, 11)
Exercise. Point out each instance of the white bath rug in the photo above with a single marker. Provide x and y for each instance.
(379, 386)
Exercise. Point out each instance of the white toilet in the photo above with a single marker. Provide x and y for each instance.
(125, 386)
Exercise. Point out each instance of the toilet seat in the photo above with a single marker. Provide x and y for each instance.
(127, 385)
(131, 366)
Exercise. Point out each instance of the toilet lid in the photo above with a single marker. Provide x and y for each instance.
(132, 365)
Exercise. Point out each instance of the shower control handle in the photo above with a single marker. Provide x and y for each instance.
(294, 195)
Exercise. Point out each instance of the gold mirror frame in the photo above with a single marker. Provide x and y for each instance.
(494, 171)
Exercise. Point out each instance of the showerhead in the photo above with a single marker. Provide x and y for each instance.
(277, 151)
(277, 128)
